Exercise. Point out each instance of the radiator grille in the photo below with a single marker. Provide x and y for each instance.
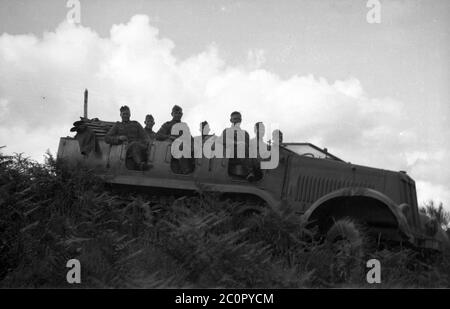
(310, 188)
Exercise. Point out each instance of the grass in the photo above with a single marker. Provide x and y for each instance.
(49, 214)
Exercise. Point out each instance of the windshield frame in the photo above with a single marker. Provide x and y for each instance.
(323, 151)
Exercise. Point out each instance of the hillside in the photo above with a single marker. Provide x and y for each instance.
(49, 215)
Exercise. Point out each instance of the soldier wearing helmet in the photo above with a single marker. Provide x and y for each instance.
(165, 132)
(149, 123)
(133, 134)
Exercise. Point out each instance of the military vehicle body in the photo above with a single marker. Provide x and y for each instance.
(318, 185)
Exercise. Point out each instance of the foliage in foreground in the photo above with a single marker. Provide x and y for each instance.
(49, 215)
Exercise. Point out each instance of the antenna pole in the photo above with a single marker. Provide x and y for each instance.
(85, 103)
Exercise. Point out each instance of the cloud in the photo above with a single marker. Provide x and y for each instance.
(256, 58)
(43, 78)
(430, 165)
(427, 191)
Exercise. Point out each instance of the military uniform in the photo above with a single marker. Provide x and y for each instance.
(131, 129)
(137, 140)
(198, 142)
(182, 165)
(151, 134)
(231, 135)
(166, 130)
(235, 136)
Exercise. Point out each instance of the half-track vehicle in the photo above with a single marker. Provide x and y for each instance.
(318, 185)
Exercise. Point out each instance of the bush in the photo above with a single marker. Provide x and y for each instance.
(50, 214)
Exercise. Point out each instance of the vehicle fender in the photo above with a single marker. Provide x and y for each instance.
(367, 192)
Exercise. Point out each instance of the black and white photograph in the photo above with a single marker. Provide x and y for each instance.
(236, 146)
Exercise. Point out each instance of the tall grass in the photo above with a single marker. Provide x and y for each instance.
(50, 214)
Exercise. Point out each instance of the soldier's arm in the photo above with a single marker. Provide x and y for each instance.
(112, 136)
(163, 133)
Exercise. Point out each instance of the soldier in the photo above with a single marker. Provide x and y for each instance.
(149, 123)
(199, 141)
(165, 132)
(257, 144)
(236, 137)
(258, 147)
(280, 137)
(132, 133)
(182, 165)
(204, 130)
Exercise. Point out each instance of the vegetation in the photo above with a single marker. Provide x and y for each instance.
(437, 213)
(49, 214)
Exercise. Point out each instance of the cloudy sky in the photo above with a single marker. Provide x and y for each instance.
(372, 93)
